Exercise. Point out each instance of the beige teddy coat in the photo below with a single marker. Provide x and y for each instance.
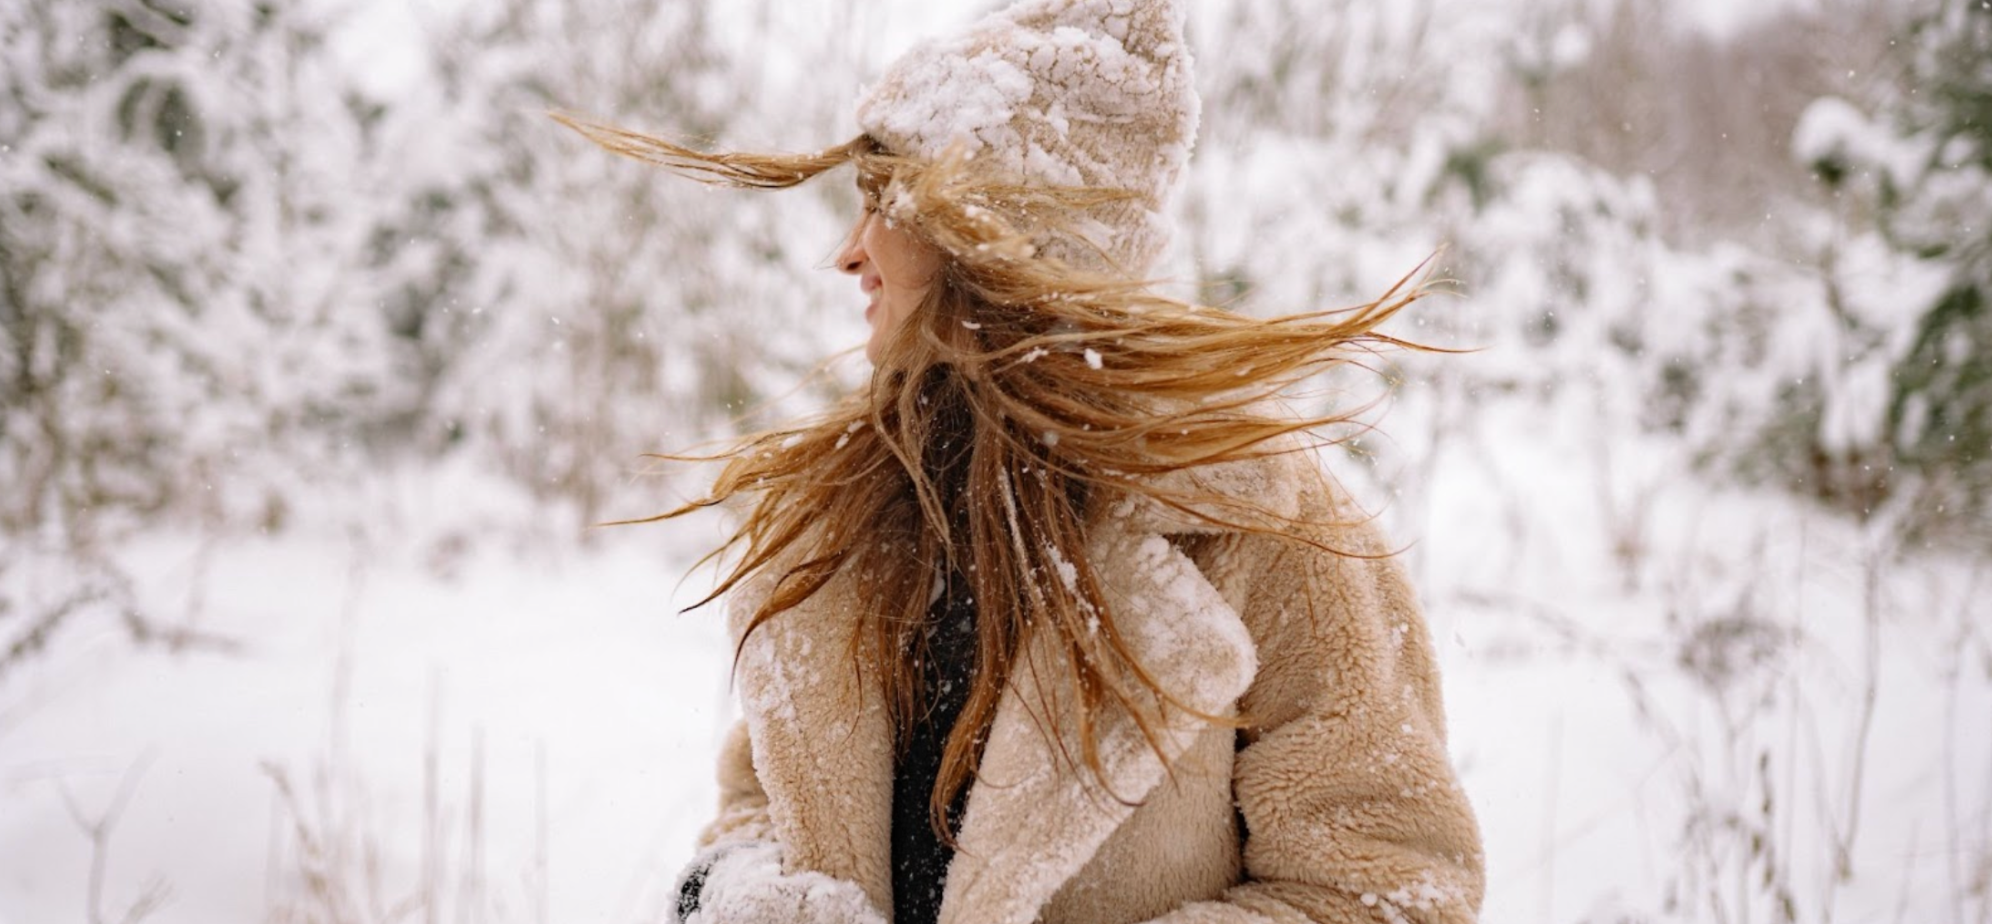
(1335, 803)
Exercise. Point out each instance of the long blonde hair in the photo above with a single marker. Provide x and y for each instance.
(1042, 389)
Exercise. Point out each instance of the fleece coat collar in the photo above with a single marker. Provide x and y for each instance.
(1334, 802)
(822, 740)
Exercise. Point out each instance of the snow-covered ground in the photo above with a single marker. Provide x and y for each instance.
(1677, 732)
(1697, 728)
(487, 722)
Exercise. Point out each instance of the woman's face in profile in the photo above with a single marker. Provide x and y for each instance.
(894, 269)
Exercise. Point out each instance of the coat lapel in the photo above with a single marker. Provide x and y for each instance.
(1034, 818)
(822, 741)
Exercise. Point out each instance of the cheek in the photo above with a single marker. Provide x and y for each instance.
(903, 264)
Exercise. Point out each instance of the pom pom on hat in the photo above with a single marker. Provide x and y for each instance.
(1092, 93)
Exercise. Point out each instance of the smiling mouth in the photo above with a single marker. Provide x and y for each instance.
(870, 285)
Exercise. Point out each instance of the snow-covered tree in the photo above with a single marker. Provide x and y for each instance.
(180, 326)
(1914, 169)
(570, 310)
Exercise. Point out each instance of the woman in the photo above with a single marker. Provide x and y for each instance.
(1057, 620)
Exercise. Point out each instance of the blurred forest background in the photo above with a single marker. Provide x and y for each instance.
(272, 272)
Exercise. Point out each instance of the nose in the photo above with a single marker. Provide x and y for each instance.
(851, 256)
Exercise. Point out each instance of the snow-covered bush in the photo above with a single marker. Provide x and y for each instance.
(182, 328)
(569, 310)
(234, 274)
(1911, 280)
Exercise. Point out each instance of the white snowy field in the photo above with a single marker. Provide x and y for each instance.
(1667, 712)
(522, 731)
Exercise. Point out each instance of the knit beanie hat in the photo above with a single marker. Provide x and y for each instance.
(1077, 93)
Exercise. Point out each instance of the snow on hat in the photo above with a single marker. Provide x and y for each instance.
(1095, 93)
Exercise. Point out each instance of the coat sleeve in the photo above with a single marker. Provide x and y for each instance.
(742, 820)
(743, 805)
(1352, 812)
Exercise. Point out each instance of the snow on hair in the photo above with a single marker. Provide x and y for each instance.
(1021, 398)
